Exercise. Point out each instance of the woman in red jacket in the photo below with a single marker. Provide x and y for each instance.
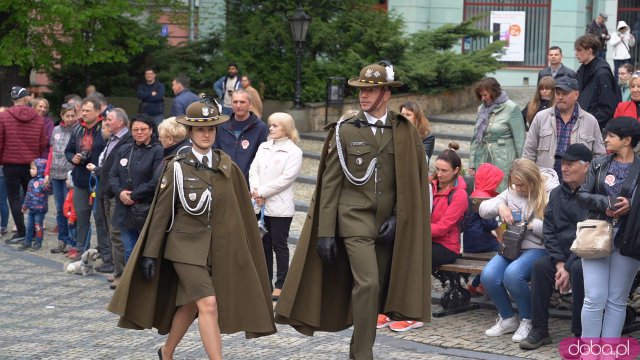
(631, 108)
(450, 203)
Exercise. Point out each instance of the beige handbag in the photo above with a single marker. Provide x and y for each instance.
(593, 239)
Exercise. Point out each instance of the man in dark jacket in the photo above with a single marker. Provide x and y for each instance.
(151, 95)
(560, 269)
(556, 69)
(599, 91)
(84, 147)
(598, 29)
(241, 136)
(23, 138)
(184, 96)
(117, 122)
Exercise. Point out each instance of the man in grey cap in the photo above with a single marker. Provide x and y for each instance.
(23, 138)
(599, 29)
(553, 130)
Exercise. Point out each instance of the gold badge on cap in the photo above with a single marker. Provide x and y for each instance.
(205, 111)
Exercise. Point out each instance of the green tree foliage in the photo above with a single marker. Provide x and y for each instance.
(343, 36)
(431, 65)
(44, 34)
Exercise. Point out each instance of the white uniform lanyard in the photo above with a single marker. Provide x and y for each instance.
(199, 209)
(371, 169)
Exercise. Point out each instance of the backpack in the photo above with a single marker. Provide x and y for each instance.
(462, 224)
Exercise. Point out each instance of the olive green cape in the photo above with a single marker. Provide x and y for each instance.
(239, 268)
(318, 298)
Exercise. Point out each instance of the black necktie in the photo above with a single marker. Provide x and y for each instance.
(379, 131)
(205, 161)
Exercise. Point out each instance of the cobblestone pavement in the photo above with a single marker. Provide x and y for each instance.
(48, 314)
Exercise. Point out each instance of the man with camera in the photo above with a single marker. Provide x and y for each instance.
(84, 147)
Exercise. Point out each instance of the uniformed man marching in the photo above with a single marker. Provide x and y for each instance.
(365, 247)
(200, 251)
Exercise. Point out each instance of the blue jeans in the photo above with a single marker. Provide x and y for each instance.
(73, 232)
(4, 204)
(501, 275)
(60, 191)
(129, 239)
(34, 228)
(607, 282)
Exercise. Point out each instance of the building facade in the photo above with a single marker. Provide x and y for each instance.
(548, 23)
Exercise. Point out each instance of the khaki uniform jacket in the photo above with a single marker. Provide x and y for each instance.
(316, 297)
(229, 236)
(542, 138)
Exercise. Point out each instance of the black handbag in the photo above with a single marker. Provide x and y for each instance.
(511, 245)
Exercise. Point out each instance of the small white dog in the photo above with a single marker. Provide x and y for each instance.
(84, 266)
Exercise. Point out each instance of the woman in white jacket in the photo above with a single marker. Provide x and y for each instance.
(524, 200)
(271, 177)
(622, 42)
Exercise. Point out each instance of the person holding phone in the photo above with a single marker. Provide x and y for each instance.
(606, 194)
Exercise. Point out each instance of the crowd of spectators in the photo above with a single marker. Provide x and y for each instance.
(558, 161)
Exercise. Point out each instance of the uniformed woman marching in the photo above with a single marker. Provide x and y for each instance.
(199, 253)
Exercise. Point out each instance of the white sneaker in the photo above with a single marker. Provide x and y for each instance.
(523, 330)
(503, 326)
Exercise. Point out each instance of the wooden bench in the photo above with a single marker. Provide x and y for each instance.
(455, 298)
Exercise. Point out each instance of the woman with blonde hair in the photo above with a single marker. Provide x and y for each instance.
(413, 112)
(524, 200)
(544, 98)
(173, 137)
(271, 176)
(41, 105)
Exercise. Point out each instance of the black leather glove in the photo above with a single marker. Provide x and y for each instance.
(148, 268)
(327, 249)
(387, 232)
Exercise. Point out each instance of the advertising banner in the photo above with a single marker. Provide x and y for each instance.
(509, 26)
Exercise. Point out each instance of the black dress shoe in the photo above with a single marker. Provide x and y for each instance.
(15, 239)
(105, 268)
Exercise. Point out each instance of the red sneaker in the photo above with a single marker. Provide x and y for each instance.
(405, 325)
(383, 321)
(72, 253)
(475, 290)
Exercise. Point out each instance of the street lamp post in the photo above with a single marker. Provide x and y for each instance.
(299, 23)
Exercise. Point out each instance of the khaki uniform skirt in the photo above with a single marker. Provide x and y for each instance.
(194, 282)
